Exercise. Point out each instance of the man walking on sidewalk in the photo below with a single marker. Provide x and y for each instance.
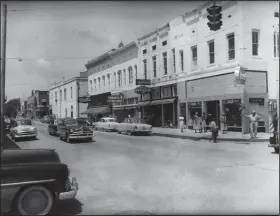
(214, 130)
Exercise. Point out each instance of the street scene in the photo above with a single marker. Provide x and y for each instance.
(139, 108)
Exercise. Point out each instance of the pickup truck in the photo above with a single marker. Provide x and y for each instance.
(32, 180)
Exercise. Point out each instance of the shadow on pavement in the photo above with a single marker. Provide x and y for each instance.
(67, 207)
(9, 144)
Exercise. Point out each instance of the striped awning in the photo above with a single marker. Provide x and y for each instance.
(97, 110)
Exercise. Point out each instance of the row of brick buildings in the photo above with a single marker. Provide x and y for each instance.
(192, 69)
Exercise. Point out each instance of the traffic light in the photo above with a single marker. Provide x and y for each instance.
(214, 17)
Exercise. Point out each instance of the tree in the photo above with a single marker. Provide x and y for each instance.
(11, 107)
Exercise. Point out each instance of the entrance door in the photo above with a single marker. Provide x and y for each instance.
(213, 108)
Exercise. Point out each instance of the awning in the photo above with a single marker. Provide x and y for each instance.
(97, 110)
(130, 106)
(144, 103)
(163, 101)
(118, 107)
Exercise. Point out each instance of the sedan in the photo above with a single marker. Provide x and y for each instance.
(132, 126)
(23, 128)
(106, 124)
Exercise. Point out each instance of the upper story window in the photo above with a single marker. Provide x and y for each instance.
(164, 58)
(55, 95)
(255, 42)
(155, 66)
(94, 81)
(174, 60)
(145, 69)
(130, 75)
(71, 92)
(276, 44)
(194, 57)
(164, 43)
(231, 46)
(99, 83)
(60, 95)
(182, 60)
(154, 47)
(65, 94)
(108, 78)
(115, 80)
(119, 78)
(103, 79)
(276, 14)
(124, 77)
(135, 68)
(144, 51)
(167, 91)
(211, 47)
(90, 84)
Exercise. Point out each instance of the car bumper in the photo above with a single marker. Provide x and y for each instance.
(143, 131)
(72, 192)
(25, 136)
(273, 145)
(81, 136)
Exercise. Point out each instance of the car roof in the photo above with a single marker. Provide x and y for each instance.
(108, 118)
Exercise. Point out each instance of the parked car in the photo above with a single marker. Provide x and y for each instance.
(32, 180)
(106, 124)
(75, 129)
(53, 126)
(23, 128)
(274, 137)
(87, 121)
(132, 126)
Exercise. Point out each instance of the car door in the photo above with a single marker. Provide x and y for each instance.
(123, 125)
(60, 127)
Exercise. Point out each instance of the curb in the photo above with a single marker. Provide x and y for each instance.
(9, 144)
(207, 138)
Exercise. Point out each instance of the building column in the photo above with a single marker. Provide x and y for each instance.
(174, 111)
(162, 114)
(221, 111)
(203, 107)
(178, 111)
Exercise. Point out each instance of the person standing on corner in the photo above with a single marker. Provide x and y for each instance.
(224, 123)
(254, 119)
(182, 123)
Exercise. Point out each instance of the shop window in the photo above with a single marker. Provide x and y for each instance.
(146, 96)
(156, 93)
(130, 101)
(233, 114)
(231, 46)
(174, 90)
(125, 101)
(193, 107)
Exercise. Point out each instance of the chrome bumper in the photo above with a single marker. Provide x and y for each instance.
(81, 136)
(72, 192)
(25, 136)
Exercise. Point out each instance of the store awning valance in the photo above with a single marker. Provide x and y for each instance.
(97, 110)
(163, 101)
(118, 107)
(130, 106)
(144, 103)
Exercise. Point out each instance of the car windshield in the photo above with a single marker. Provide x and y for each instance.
(81, 121)
(24, 122)
(72, 122)
(136, 121)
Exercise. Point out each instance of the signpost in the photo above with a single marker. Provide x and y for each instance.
(143, 82)
(84, 99)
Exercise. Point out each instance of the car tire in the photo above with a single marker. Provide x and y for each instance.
(119, 132)
(276, 150)
(129, 133)
(60, 137)
(68, 140)
(44, 197)
(15, 139)
(50, 133)
(90, 139)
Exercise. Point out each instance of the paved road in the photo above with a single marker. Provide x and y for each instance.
(167, 175)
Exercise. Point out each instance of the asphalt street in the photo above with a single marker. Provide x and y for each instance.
(167, 175)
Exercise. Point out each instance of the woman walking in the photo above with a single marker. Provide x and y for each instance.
(197, 123)
(224, 123)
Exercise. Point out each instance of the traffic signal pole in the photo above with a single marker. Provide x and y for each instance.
(3, 71)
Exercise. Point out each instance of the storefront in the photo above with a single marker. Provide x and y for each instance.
(160, 106)
(216, 95)
(98, 107)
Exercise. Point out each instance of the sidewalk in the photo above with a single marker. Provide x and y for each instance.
(190, 134)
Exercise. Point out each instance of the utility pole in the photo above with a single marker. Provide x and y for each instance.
(3, 71)
(78, 95)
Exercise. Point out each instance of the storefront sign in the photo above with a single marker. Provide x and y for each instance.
(142, 90)
(230, 101)
(143, 82)
(84, 99)
(260, 101)
(195, 104)
(116, 98)
(240, 75)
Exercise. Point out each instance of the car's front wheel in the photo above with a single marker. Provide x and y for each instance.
(68, 139)
(276, 150)
(34, 200)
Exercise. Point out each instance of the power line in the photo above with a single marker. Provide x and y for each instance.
(53, 59)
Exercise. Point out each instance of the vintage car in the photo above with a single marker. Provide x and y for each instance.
(45, 119)
(274, 136)
(23, 128)
(75, 129)
(87, 121)
(53, 126)
(106, 124)
(32, 180)
(132, 126)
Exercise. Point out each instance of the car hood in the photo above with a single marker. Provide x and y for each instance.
(25, 156)
(142, 125)
(79, 127)
(24, 128)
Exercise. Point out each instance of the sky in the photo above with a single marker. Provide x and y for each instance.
(56, 39)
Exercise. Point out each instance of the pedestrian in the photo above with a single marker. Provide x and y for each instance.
(214, 130)
(254, 118)
(197, 123)
(203, 123)
(182, 123)
(224, 123)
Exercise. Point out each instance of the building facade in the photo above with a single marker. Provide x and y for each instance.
(157, 63)
(110, 74)
(212, 82)
(63, 96)
(37, 105)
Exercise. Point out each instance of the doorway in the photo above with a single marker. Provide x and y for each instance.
(213, 108)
